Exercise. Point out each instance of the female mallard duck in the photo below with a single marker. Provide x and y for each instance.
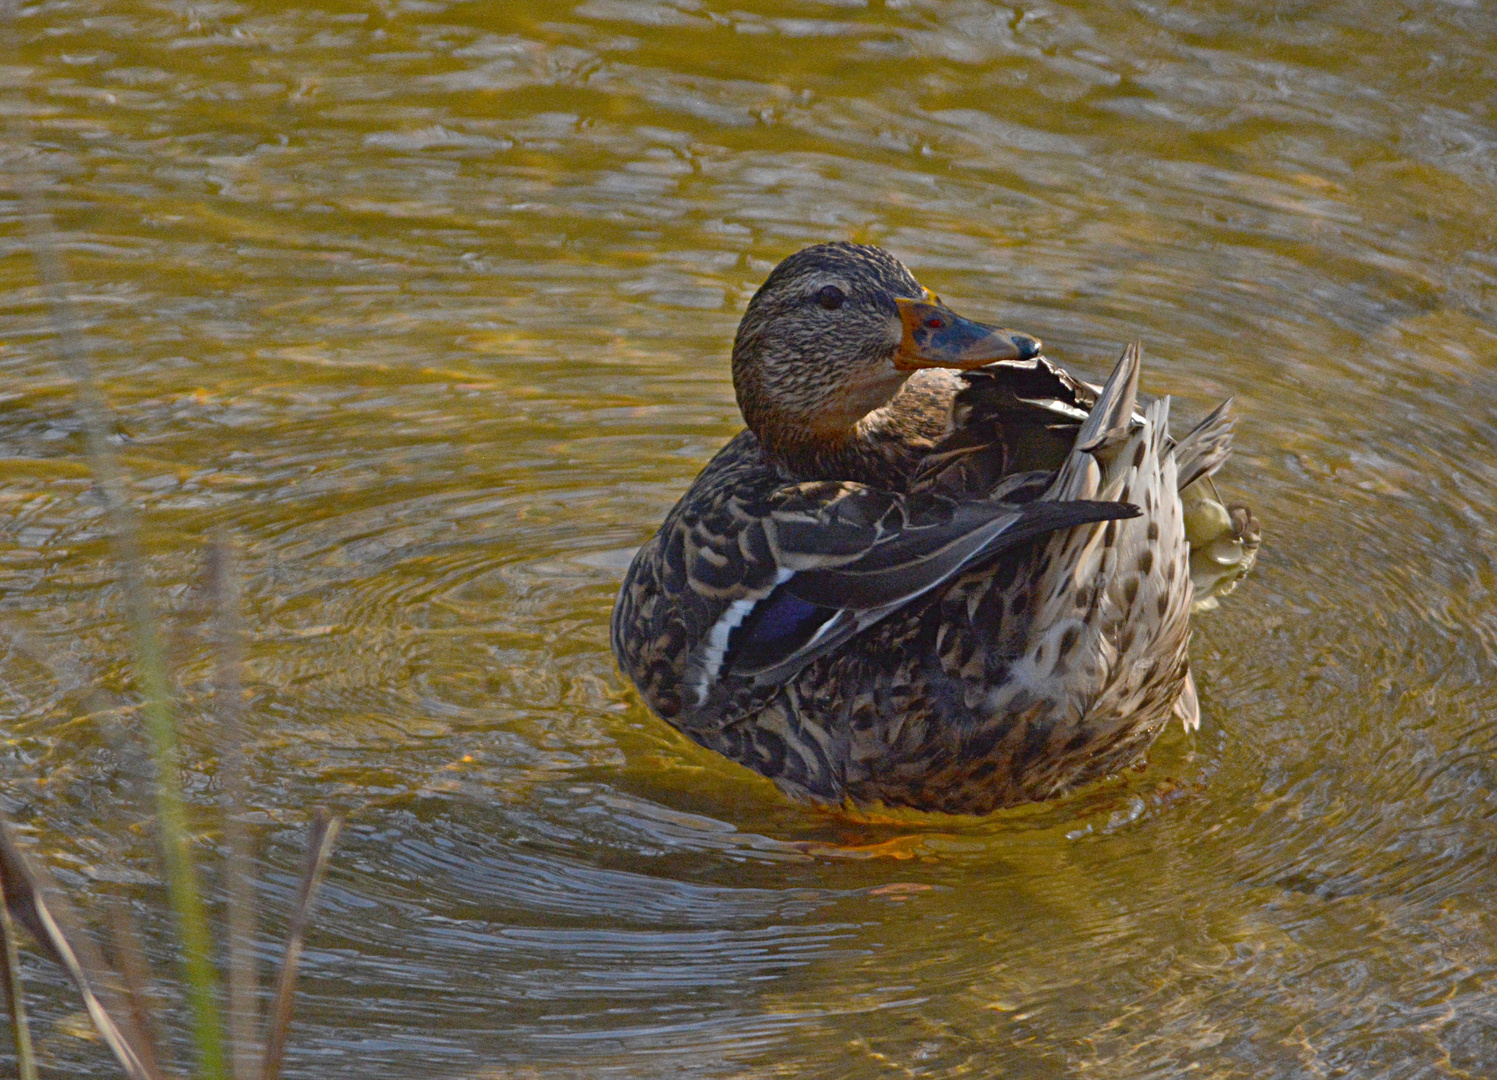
(937, 571)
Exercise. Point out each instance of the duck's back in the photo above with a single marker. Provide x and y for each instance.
(944, 432)
(1048, 665)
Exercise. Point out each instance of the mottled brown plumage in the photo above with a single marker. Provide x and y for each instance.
(937, 571)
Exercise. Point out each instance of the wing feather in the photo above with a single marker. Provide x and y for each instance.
(750, 579)
(908, 547)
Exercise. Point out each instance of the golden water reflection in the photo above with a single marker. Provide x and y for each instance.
(429, 302)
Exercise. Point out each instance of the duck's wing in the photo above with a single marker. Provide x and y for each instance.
(1009, 417)
(737, 594)
(846, 561)
(1035, 409)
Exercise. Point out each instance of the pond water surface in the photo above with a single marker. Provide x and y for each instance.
(430, 302)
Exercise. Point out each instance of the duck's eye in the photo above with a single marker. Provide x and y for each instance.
(934, 323)
(830, 297)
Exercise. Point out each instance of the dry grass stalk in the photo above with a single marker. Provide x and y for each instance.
(320, 842)
(14, 997)
(124, 935)
(36, 903)
(26, 890)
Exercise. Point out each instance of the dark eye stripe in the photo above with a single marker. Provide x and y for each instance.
(830, 297)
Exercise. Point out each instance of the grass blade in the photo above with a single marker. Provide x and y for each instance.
(31, 898)
(137, 979)
(25, 1059)
(319, 848)
(199, 975)
(228, 639)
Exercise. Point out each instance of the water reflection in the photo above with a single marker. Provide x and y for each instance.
(430, 303)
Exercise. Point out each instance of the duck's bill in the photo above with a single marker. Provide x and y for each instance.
(936, 336)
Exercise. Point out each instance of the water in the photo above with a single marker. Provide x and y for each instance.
(430, 303)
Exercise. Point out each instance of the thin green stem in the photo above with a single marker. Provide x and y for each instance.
(199, 975)
(228, 639)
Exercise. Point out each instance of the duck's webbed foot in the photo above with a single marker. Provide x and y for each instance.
(1223, 545)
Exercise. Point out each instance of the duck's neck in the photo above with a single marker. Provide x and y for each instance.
(877, 450)
(883, 448)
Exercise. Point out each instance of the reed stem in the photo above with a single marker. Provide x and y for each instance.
(199, 974)
(20, 1029)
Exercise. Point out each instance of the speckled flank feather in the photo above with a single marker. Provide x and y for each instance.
(1111, 608)
(1096, 623)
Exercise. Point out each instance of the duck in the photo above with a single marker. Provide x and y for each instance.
(936, 571)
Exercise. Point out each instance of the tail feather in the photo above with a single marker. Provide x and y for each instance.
(1118, 594)
(1112, 415)
(1206, 447)
(1110, 611)
(1187, 706)
(1110, 420)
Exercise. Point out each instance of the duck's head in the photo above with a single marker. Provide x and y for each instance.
(833, 334)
